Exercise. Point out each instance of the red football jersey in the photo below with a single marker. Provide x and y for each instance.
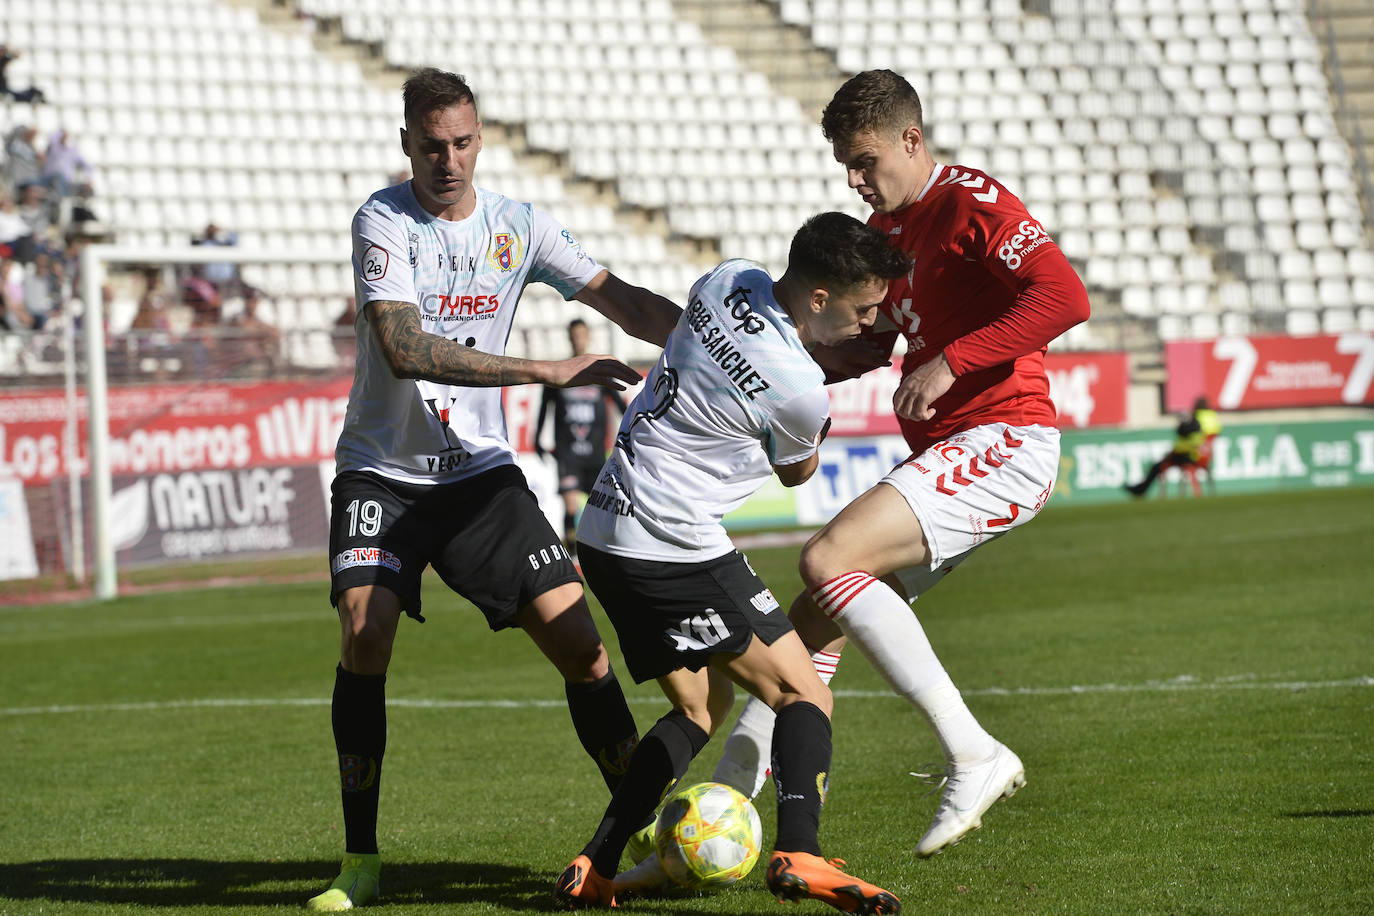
(991, 289)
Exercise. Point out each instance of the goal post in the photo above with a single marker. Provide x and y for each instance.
(95, 260)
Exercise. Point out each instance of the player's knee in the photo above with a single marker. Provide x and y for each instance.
(366, 625)
(820, 561)
(582, 662)
(817, 694)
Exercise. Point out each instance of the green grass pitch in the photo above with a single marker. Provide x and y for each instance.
(1189, 682)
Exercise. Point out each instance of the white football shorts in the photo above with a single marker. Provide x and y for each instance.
(973, 487)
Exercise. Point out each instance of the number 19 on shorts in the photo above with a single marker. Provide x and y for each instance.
(365, 516)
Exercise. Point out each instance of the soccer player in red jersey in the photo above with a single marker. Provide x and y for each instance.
(989, 289)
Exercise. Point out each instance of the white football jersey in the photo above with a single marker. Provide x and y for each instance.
(734, 393)
(466, 277)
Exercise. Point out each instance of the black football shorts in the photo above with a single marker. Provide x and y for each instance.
(677, 615)
(485, 536)
(577, 472)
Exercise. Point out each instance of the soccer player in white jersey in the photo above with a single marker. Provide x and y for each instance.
(425, 474)
(988, 290)
(734, 398)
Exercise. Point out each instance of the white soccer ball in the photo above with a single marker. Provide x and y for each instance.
(707, 836)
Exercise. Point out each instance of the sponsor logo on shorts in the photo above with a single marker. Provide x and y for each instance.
(365, 556)
(700, 631)
(764, 602)
(547, 556)
(996, 455)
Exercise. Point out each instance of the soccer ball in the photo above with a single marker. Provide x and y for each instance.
(707, 836)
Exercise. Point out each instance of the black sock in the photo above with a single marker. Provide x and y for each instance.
(604, 725)
(660, 760)
(1155, 470)
(801, 772)
(359, 714)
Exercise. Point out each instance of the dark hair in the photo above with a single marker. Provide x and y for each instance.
(877, 100)
(430, 89)
(835, 249)
(575, 322)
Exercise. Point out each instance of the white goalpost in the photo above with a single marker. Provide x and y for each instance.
(94, 262)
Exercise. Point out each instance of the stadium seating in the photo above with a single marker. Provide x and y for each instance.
(1183, 154)
(1204, 130)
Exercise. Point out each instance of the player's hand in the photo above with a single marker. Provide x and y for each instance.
(593, 369)
(851, 358)
(919, 390)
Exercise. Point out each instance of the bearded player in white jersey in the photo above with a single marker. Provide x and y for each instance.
(734, 398)
(425, 474)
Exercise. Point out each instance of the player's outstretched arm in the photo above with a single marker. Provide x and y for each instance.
(641, 313)
(413, 353)
(591, 369)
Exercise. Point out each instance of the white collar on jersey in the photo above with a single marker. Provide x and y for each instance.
(934, 174)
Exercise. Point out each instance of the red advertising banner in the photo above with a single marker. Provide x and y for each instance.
(164, 429)
(1089, 389)
(1243, 373)
(171, 428)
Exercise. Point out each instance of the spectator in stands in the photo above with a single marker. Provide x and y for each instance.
(580, 420)
(345, 334)
(1192, 447)
(31, 94)
(23, 161)
(254, 345)
(204, 300)
(13, 315)
(34, 210)
(152, 314)
(12, 225)
(83, 218)
(223, 274)
(63, 165)
(153, 345)
(43, 288)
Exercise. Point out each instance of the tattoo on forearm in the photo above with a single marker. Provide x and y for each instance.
(416, 354)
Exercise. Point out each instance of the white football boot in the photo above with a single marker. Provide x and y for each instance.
(970, 789)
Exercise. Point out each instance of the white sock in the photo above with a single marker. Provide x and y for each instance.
(744, 760)
(881, 624)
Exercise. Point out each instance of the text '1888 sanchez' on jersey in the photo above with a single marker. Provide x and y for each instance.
(720, 346)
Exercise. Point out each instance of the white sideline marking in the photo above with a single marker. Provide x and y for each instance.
(1183, 683)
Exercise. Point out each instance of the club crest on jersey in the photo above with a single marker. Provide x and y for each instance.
(506, 252)
(414, 249)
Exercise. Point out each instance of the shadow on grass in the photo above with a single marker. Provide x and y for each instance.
(197, 882)
(180, 883)
(1335, 812)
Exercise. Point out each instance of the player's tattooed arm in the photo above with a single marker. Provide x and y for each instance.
(412, 352)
